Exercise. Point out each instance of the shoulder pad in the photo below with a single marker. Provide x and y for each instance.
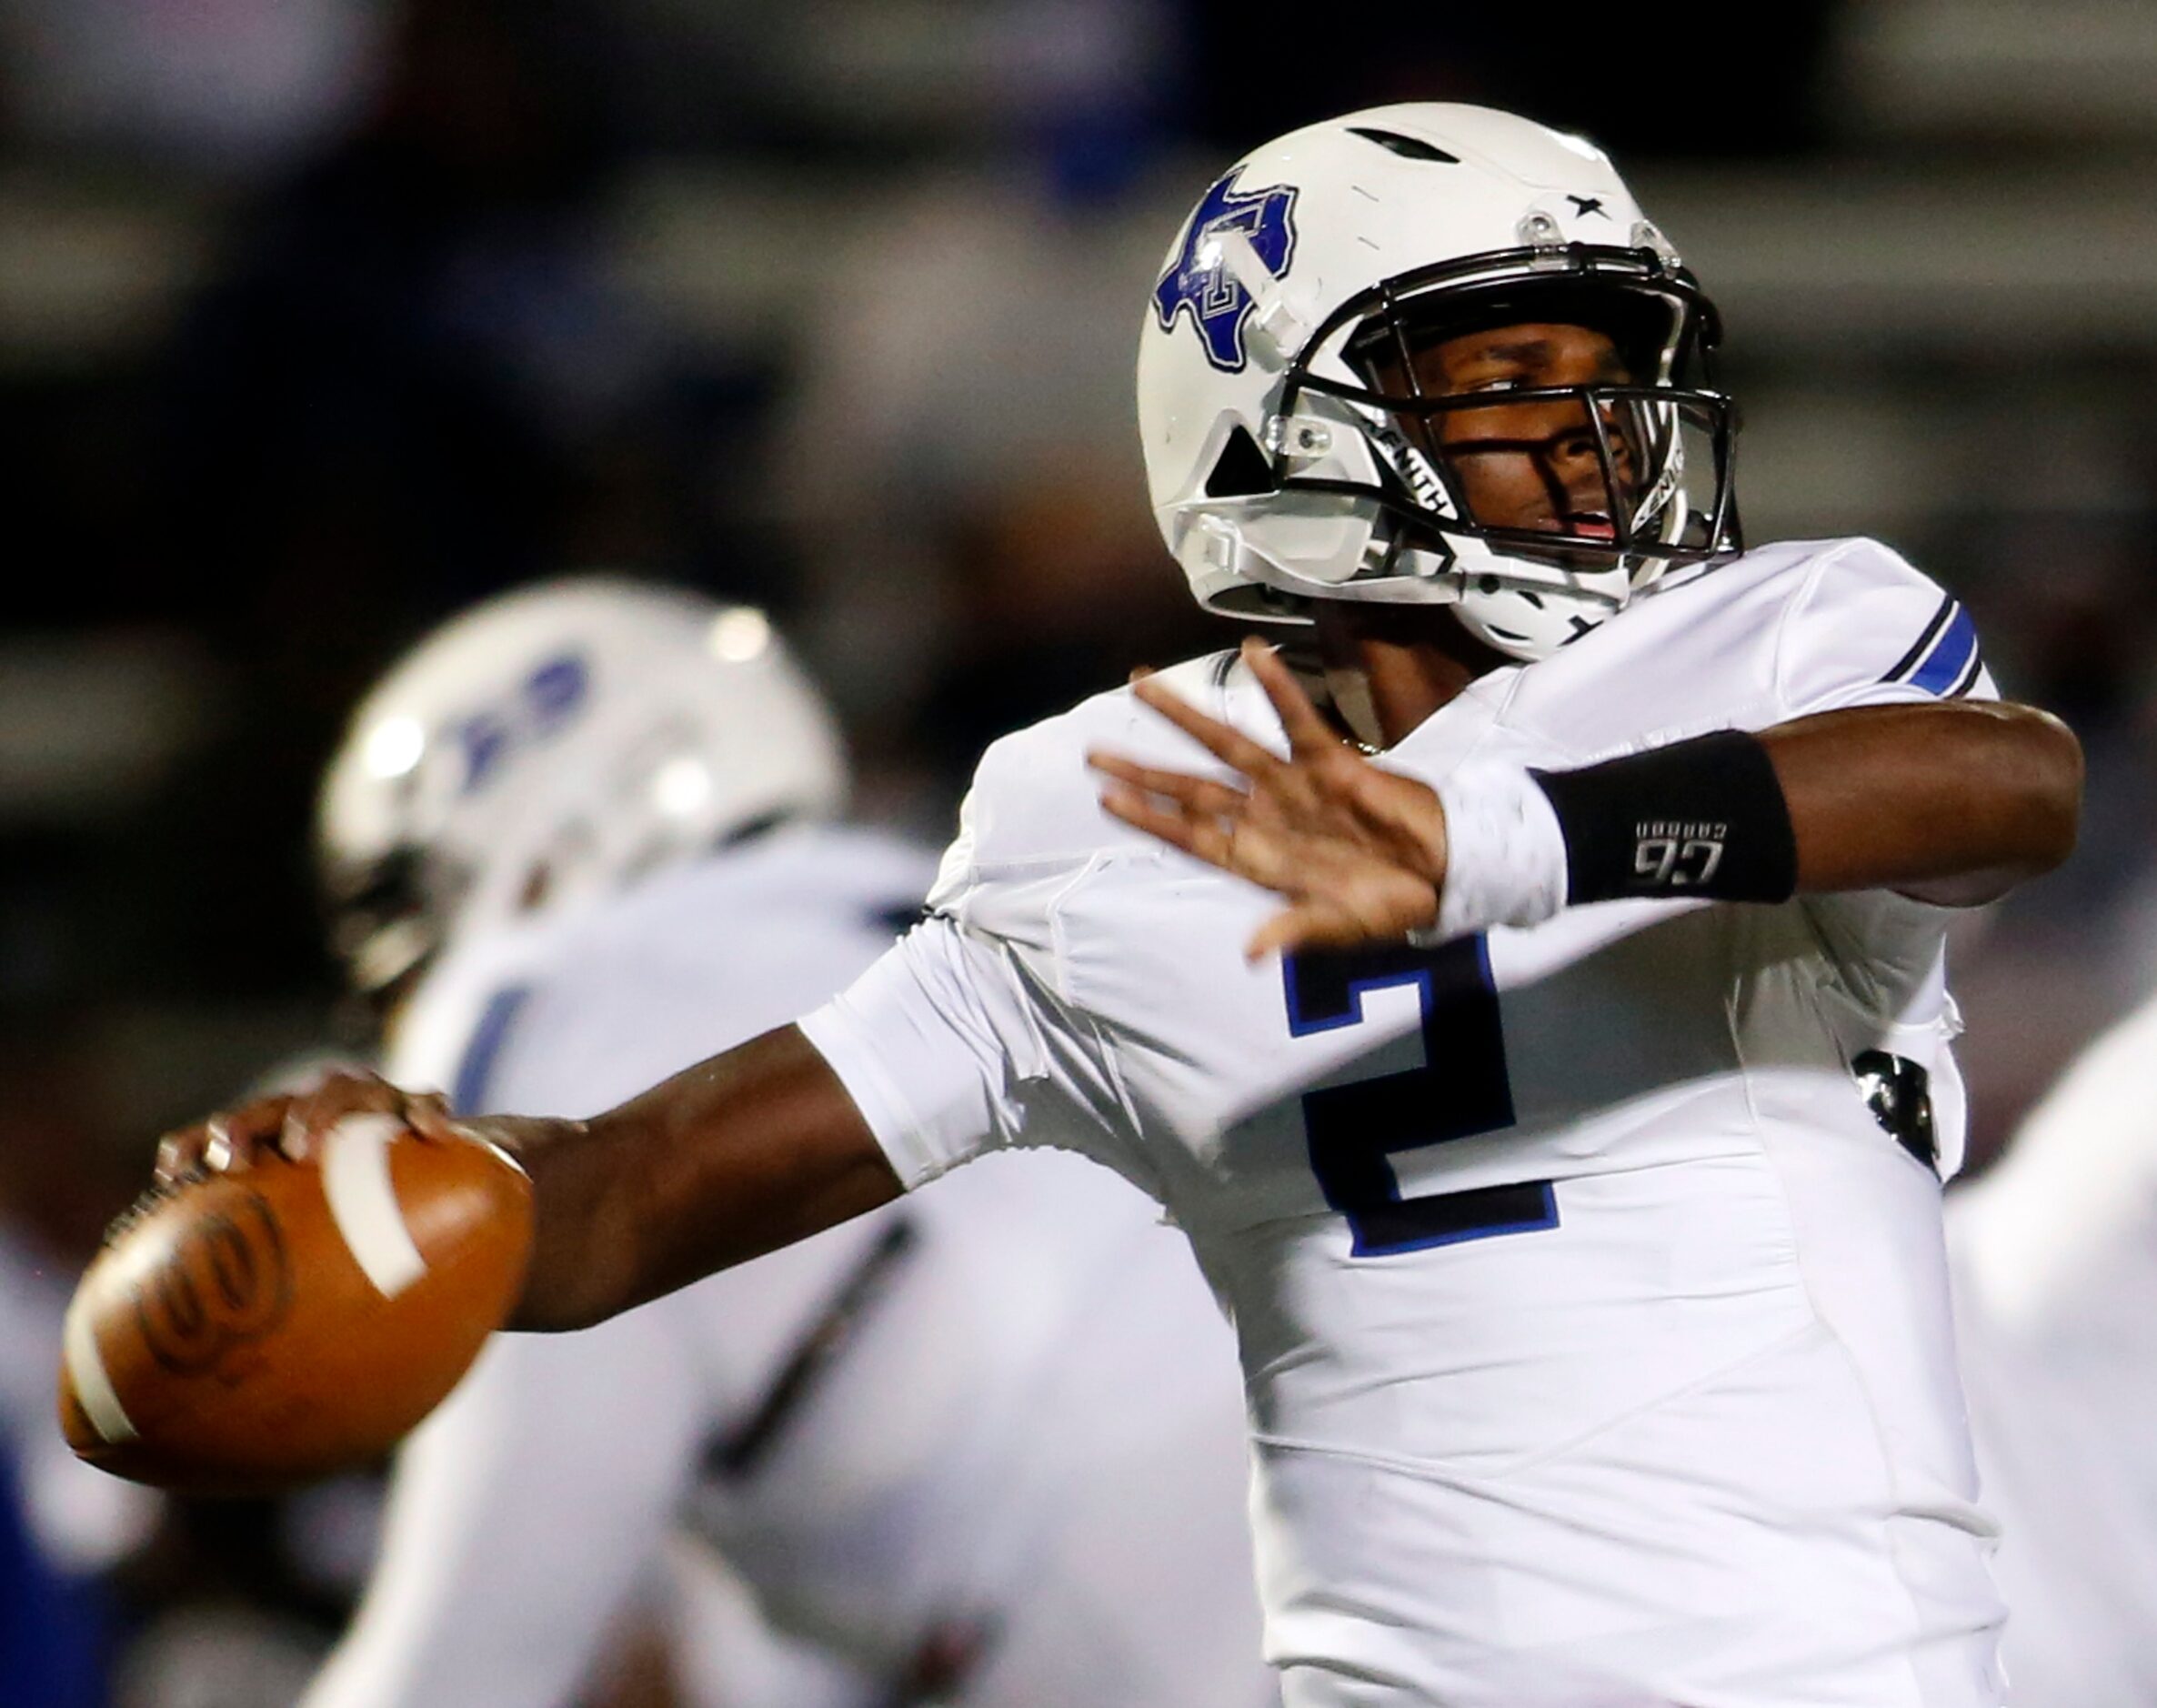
(1035, 800)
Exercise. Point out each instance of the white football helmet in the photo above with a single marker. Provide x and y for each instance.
(1285, 431)
(553, 743)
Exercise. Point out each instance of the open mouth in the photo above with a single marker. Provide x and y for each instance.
(1587, 525)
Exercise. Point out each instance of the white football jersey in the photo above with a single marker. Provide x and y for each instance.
(1595, 1330)
(2055, 1253)
(913, 1432)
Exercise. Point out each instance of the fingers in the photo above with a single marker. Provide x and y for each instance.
(288, 1126)
(1341, 905)
(1319, 922)
(179, 1156)
(1231, 842)
(1314, 922)
(229, 1140)
(339, 1095)
(1358, 852)
(1286, 932)
(1307, 732)
(1200, 836)
(427, 1114)
(1230, 746)
(1199, 794)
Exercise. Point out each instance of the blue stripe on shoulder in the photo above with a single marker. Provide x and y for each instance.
(1950, 656)
(1924, 643)
(483, 1054)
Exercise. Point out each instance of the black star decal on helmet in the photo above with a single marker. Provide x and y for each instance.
(1584, 206)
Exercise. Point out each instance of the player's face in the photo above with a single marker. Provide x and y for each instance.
(1535, 466)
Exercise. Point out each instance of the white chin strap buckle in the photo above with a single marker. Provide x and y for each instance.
(1213, 545)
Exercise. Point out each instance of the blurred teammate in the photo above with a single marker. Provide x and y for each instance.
(2055, 1262)
(1572, 1170)
(988, 1443)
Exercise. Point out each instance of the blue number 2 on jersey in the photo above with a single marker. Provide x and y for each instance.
(1461, 1090)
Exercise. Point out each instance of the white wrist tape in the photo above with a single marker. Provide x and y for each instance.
(1505, 853)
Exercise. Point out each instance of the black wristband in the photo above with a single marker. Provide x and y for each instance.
(1698, 818)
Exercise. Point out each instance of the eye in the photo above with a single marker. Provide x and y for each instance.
(1507, 382)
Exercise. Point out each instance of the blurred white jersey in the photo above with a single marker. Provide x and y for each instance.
(994, 1431)
(1596, 1330)
(2054, 1254)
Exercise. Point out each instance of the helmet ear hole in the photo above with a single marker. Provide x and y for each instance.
(1241, 470)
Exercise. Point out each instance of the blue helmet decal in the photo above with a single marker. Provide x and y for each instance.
(542, 706)
(556, 690)
(486, 739)
(1199, 280)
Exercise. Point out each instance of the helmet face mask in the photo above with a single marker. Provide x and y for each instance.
(1339, 469)
(1636, 426)
(388, 914)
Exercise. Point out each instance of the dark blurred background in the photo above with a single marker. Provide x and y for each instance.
(320, 318)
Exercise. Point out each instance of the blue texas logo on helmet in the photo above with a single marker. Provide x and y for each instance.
(1202, 279)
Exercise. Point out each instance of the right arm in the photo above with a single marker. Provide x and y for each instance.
(743, 1153)
(760, 1145)
(748, 1151)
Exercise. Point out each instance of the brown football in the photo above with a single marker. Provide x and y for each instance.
(244, 1334)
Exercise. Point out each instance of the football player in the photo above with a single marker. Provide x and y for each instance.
(989, 1438)
(2054, 1255)
(1568, 1149)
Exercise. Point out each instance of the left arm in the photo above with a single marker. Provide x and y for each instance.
(1951, 802)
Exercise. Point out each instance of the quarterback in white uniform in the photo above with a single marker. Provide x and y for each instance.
(1568, 1147)
(2055, 1253)
(990, 1437)
(1605, 1194)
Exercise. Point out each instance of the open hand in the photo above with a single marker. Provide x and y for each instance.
(1360, 851)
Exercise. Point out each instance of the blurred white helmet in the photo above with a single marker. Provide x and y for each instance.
(1285, 431)
(551, 745)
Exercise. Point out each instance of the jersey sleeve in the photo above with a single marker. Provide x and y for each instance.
(950, 1048)
(958, 1042)
(1867, 629)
